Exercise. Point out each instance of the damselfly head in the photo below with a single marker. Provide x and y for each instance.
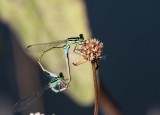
(61, 75)
(81, 37)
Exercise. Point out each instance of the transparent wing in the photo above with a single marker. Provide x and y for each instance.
(25, 103)
(46, 46)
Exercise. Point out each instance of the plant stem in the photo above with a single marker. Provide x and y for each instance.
(96, 90)
(108, 104)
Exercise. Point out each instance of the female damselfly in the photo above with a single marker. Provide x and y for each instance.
(57, 84)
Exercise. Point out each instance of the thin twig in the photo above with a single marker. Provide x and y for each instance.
(96, 90)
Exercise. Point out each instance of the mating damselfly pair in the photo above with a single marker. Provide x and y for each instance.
(57, 83)
(65, 44)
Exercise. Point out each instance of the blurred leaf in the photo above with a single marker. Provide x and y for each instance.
(39, 21)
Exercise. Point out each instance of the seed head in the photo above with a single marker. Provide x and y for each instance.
(92, 50)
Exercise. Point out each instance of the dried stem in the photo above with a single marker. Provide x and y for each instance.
(96, 89)
(108, 104)
(91, 50)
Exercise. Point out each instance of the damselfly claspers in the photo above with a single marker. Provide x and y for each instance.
(57, 84)
(65, 44)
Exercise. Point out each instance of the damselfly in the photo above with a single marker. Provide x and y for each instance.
(56, 84)
(65, 44)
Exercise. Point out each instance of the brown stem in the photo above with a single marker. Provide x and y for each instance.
(108, 105)
(96, 90)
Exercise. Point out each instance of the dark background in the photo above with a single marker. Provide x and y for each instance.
(130, 32)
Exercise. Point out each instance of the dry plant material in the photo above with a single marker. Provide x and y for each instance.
(92, 51)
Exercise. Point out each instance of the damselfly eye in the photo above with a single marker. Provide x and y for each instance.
(81, 36)
(61, 75)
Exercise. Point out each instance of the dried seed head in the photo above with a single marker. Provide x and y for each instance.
(92, 49)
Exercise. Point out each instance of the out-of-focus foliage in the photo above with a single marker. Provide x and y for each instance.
(40, 21)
